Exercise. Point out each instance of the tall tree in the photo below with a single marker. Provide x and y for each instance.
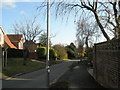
(71, 51)
(61, 52)
(86, 31)
(43, 39)
(95, 8)
(80, 46)
(30, 29)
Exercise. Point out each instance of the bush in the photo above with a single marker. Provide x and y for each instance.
(53, 54)
(14, 53)
(90, 54)
(61, 52)
(41, 52)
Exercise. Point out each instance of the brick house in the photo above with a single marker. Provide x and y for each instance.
(31, 45)
(11, 40)
(17, 40)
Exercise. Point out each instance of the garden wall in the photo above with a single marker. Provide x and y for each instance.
(107, 63)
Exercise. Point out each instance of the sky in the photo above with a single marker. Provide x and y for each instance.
(12, 12)
(63, 32)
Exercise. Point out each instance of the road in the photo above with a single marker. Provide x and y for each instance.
(37, 79)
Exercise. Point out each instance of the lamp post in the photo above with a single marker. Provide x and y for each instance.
(48, 34)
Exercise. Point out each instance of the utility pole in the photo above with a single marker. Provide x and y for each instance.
(48, 35)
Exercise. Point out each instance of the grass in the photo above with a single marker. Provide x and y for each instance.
(15, 66)
(3, 76)
(66, 59)
(63, 84)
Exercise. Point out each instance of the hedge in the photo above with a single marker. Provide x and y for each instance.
(53, 54)
(14, 53)
(41, 53)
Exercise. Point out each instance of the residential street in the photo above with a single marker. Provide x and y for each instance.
(37, 79)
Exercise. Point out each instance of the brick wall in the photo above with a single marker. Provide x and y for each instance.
(107, 63)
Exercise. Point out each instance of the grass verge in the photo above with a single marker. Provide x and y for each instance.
(15, 66)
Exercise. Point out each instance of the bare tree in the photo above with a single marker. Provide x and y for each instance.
(80, 45)
(86, 31)
(110, 18)
(43, 39)
(95, 8)
(61, 51)
(30, 29)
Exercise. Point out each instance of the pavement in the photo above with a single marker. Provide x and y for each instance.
(80, 78)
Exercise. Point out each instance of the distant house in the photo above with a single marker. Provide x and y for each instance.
(39, 44)
(31, 45)
(17, 40)
(11, 40)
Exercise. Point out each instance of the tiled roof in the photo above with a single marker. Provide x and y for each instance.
(15, 37)
(7, 40)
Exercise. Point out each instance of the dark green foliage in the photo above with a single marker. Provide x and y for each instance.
(53, 54)
(70, 54)
(41, 52)
(71, 51)
(61, 51)
(90, 54)
(16, 53)
(72, 47)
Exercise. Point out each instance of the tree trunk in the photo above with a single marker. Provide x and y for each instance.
(86, 42)
(101, 27)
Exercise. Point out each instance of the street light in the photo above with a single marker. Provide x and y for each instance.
(48, 34)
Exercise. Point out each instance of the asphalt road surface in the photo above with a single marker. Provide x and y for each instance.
(37, 79)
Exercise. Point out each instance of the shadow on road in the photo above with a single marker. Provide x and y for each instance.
(79, 77)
